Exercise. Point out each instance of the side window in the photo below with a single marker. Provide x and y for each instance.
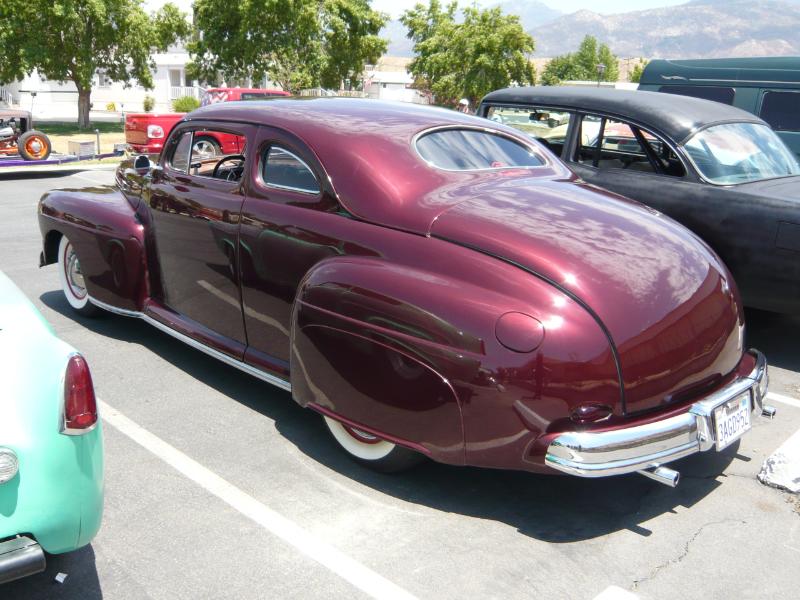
(217, 154)
(284, 170)
(611, 144)
(781, 110)
(706, 92)
(543, 124)
(179, 160)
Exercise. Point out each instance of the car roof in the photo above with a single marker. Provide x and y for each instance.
(772, 72)
(367, 148)
(677, 117)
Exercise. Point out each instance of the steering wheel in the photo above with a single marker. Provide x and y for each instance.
(229, 158)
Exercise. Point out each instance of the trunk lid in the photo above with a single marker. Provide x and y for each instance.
(668, 304)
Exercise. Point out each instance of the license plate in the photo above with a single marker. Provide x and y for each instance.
(732, 419)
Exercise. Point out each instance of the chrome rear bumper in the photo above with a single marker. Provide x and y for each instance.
(643, 447)
(20, 557)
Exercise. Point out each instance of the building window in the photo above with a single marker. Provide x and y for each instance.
(103, 80)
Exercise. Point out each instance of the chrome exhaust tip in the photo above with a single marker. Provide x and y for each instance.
(664, 475)
(768, 411)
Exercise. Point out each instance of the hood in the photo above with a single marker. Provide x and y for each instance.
(666, 301)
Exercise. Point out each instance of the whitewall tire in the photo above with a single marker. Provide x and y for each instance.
(72, 281)
(371, 451)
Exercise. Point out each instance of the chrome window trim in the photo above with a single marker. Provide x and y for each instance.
(517, 140)
(278, 186)
(229, 360)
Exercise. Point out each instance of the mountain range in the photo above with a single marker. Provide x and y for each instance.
(698, 29)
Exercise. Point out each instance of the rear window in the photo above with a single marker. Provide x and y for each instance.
(781, 110)
(706, 92)
(473, 150)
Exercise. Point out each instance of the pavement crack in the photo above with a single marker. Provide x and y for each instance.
(674, 561)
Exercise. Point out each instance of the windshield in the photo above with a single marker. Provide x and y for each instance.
(739, 153)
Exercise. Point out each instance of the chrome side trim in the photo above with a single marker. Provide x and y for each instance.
(221, 356)
(114, 309)
(229, 360)
(642, 447)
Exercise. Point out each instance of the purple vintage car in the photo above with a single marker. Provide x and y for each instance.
(433, 284)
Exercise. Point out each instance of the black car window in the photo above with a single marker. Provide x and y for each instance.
(781, 110)
(612, 144)
(545, 125)
(179, 159)
(474, 150)
(284, 170)
(706, 92)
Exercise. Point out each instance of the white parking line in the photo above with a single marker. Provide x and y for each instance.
(613, 592)
(306, 543)
(783, 399)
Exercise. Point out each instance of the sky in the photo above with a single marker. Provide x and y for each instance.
(396, 7)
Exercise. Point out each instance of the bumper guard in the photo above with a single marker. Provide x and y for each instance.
(648, 447)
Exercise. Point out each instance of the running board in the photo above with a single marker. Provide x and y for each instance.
(221, 356)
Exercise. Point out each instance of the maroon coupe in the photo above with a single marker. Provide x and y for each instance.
(433, 284)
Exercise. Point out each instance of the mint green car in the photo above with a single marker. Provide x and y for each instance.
(51, 445)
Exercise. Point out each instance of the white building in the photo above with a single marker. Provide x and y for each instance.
(389, 79)
(58, 101)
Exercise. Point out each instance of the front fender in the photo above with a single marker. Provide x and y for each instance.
(108, 238)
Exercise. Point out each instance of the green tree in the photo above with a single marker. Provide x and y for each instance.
(467, 59)
(582, 65)
(636, 73)
(296, 43)
(71, 40)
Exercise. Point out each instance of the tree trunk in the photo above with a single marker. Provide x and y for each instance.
(84, 105)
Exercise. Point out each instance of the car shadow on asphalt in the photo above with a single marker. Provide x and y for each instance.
(550, 508)
(82, 582)
(775, 335)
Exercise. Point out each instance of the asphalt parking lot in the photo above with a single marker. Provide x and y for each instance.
(219, 486)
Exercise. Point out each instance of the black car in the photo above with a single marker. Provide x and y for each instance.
(719, 170)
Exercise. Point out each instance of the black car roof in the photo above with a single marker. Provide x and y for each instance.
(675, 116)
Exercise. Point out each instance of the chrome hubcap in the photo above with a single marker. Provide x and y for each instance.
(204, 149)
(74, 276)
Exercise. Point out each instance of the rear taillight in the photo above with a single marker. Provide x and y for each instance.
(155, 132)
(80, 405)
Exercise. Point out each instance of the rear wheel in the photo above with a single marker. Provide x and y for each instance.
(372, 451)
(72, 282)
(34, 145)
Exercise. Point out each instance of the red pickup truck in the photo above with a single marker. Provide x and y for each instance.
(145, 133)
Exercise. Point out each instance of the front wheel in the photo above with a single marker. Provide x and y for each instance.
(34, 145)
(372, 451)
(72, 282)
